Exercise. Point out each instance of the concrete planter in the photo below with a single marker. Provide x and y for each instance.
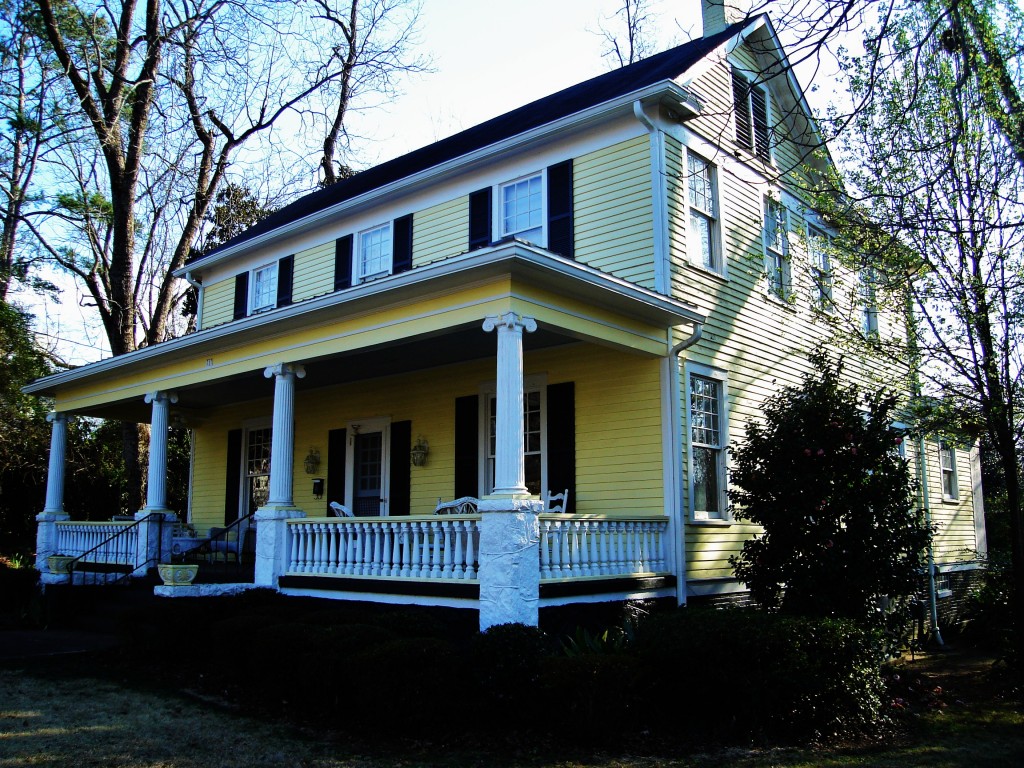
(59, 563)
(177, 574)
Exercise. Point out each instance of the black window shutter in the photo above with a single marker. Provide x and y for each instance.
(561, 423)
(399, 482)
(343, 262)
(401, 254)
(467, 457)
(560, 220)
(285, 271)
(759, 109)
(480, 219)
(741, 104)
(336, 445)
(233, 477)
(241, 295)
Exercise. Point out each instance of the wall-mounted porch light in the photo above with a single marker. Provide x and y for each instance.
(312, 461)
(419, 451)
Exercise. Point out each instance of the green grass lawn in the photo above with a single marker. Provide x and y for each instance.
(61, 715)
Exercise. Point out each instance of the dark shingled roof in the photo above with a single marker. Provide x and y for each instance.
(662, 66)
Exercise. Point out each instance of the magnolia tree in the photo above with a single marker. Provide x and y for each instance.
(824, 475)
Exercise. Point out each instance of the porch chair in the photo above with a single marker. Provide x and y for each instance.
(556, 502)
(340, 510)
(223, 543)
(466, 505)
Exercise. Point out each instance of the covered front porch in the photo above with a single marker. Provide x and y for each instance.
(572, 395)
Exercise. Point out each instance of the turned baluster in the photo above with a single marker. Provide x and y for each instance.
(545, 549)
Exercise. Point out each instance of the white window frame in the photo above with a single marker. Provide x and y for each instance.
(498, 216)
(819, 243)
(254, 276)
(488, 391)
(868, 303)
(720, 378)
(353, 428)
(776, 261)
(717, 265)
(946, 447)
(359, 273)
(753, 147)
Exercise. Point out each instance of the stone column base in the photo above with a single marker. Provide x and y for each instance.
(509, 561)
(272, 542)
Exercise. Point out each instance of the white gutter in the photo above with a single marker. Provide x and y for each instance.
(681, 98)
(659, 199)
(932, 598)
(199, 297)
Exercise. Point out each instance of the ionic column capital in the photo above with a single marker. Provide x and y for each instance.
(511, 321)
(56, 416)
(285, 369)
(161, 396)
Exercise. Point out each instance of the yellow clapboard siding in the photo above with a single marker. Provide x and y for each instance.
(218, 303)
(314, 272)
(441, 231)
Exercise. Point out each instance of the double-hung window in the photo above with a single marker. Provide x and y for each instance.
(752, 108)
(264, 288)
(373, 256)
(776, 246)
(947, 471)
(868, 302)
(533, 440)
(707, 447)
(703, 217)
(821, 268)
(522, 209)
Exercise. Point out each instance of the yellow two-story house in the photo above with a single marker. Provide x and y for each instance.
(502, 372)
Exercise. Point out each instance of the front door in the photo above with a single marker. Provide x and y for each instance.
(368, 468)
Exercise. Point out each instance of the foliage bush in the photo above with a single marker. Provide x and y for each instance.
(821, 473)
(988, 615)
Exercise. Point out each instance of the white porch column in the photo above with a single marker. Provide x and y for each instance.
(53, 510)
(509, 468)
(271, 520)
(156, 483)
(509, 573)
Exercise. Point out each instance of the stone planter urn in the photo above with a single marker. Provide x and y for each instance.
(177, 574)
(59, 563)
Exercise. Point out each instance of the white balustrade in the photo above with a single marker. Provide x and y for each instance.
(420, 548)
(445, 548)
(76, 538)
(574, 547)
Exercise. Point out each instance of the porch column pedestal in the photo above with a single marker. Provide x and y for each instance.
(271, 519)
(156, 520)
(509, 574)
(53, 510)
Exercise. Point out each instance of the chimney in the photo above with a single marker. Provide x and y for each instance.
(719, 14)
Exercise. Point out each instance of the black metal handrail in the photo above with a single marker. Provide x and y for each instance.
(116, 572)
(213, 554)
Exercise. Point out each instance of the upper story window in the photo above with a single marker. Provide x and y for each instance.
(264, 288)
(776, 246)
(752, 107)
(703, 213)
(522, 209)
(533, 440)
(707, 447)
(821, 268)
(869, 304)
(947, 470)
(373, 255)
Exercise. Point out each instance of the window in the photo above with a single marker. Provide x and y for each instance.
(533, 440)
(947, 470)
(707, 446)
(821, 268)
(373, 258)
(752, 107)
(776, 246)
(264, 288)
(703, 238)
(869, 306)
(522, 209)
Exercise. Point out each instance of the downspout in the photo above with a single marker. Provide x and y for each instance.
(659, 200)
(199, 298)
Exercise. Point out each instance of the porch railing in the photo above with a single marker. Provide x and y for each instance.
(426, 547)
(112, 543)
(447, 547)
(574, 546)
